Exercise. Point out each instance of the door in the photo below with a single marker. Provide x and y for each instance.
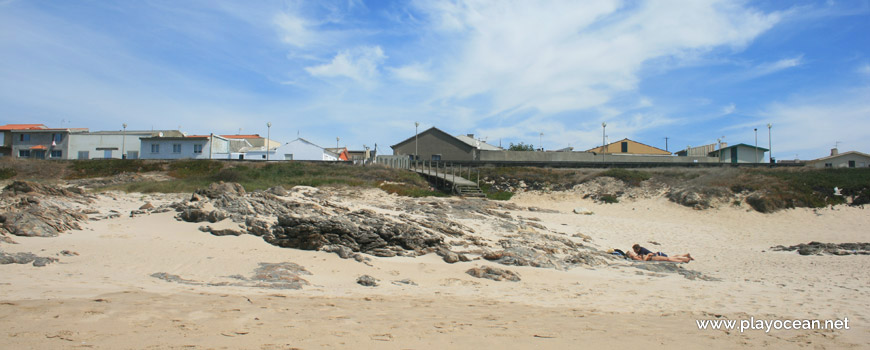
(107, 154)
(132, 154)
(851, 163)
(38, 154)
(84, 155)
(734, 155)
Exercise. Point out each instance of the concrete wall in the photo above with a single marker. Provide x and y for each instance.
(523, 156)
(633, 148)
(96, 145)
(842, 161)
(220, 151)
(435, 143)
(400, 161)
(43, 138)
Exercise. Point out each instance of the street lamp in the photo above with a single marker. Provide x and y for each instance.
(541, 140)
(769, 147)
(416, 155)
(124, 142)
(756, 145)
(268, 138)
(336, 141)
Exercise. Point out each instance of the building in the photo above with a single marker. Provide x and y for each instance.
(343, 153)
(626, 146)
(45, 143)
(851, 159)
(120, 144)
(435, 144)
(740, 153)
(298, 149)
(362, 156)
(6, 136)
(700, 151)
(255, 141)
(184, 147)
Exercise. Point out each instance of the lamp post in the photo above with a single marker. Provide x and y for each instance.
(756, 145)
(336, 141)
(268, 138)
(769, 147)
(603, 140)
(541, 140)
(416, 155)
(124, 142)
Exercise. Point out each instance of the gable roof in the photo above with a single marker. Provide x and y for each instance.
(461, 138)
(627, 139)
(840, 155)
(252, 136)
(22, 127)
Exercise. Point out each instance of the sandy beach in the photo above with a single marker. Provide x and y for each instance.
(103, 294)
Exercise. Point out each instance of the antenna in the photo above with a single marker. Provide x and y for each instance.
(837, 144)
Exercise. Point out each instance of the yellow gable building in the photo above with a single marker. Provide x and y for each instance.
(626, 146)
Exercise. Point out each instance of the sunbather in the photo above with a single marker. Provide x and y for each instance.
(640, 253)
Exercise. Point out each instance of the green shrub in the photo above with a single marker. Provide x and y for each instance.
(609, 199)
(190, 168)
(631, 177)
(109, 167)
(499, 195)
(7, 173)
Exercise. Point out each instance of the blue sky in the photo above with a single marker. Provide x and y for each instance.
(506, 71)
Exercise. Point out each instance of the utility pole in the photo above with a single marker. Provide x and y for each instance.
(769, 143)
(666, 144)
(268, 137)
(541, 140)
(124, 142)
(603, 140)
(756, 145)
(416, 155)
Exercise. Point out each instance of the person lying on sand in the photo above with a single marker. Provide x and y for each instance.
(642, 254)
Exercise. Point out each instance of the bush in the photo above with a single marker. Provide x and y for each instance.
(183, 169)
(7, 173)
(609, 199)
(109, 167)
(631, 177)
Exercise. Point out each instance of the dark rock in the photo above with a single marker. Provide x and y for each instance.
(68, 253)
(342, 251)
(519, 255)
(147, 206)
(278, 191)
(670, 267)
(193, 215)
(368, 281)
(449, 256)
(25, 258)
(256, 226)
(218, 189)
(818, 248)
(494, 274)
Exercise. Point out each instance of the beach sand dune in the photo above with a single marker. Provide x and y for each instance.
(151, 281)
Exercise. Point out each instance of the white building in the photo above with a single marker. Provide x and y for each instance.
(185, 147)
(851, 159)
(740, 153)
(111, 144)
(298, 149)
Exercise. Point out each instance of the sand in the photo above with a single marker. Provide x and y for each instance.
(106, 298)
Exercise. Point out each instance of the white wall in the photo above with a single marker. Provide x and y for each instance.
(166, 152)
(91, 142)
(842, 161)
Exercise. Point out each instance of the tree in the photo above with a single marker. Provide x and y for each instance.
(521, 147)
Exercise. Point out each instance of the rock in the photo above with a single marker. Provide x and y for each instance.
(524, 256)
(818, 248)
(147, 206)
(586, 258)
(405, 282)
(68, 253)
(25, 258)
(585, 238)
(256, 226)
(450, 257)
(278, 191)
(368, 281)
(218, 189)
(382, 252)
(494, 274)
(226, 232)
(670, 267)
(582, 211)
(342, 251)
(193, 215)
(29, 225)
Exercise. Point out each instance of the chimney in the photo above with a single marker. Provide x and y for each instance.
(834, 151)
(470, 135)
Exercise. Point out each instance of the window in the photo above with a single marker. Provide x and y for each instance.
(24, 153)
(24, 137)
(155, 148)
(176, 148)
(851, 163)
(829, 165)
(84, 155)
(56, 154)
(132, 154)
(625, 147)
(436, 157)
(57, 138)
(288, 156)
(197, 148)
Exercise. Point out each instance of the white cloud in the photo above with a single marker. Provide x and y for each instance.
(556, 56)
(729, 109)
(295, 30)
(810, 125)
(360, 64)
(412, 72)
(773, 67)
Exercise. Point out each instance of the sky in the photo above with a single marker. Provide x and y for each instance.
(549, 73)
